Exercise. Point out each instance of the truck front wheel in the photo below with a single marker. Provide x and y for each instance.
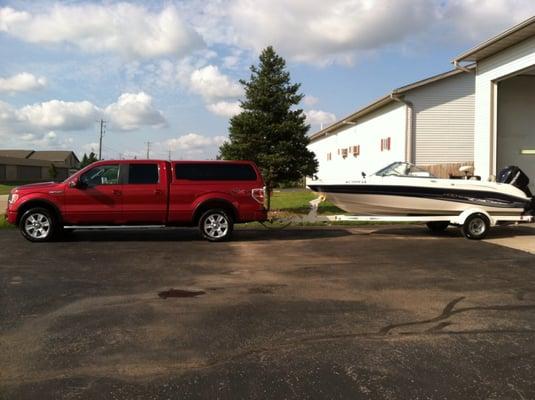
(216, 225)
(38, 225)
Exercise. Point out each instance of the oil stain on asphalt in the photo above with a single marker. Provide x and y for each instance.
(180, 293)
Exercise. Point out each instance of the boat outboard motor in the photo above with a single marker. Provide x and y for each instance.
(516, 177)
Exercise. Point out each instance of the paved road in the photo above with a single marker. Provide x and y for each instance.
(316, 313)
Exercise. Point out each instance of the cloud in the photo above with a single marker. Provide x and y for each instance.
(57, 114)
(130, 30)
(130, 111)
(310, 100)
(342, 31)
(133, 110)
(193, 141)
(21, 82)
(478, 20)
(225, 108)
(319, 118)
(210, 83)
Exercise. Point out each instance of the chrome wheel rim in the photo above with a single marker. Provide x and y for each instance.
(216, 226)
(477, 226)
(37, 226)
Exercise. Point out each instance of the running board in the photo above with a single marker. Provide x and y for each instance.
(115, 226)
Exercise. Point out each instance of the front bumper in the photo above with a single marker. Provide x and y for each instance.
(11, 217)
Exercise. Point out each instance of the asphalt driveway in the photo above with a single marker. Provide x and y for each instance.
(383, 313)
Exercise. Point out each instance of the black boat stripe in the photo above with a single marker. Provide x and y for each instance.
(457, 195)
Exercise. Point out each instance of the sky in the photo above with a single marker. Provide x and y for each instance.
(167, 72)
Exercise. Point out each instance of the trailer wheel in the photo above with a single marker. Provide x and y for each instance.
(476, 227)
(437, 226)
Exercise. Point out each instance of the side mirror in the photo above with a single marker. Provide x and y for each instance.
(77, 184)
(363, 174)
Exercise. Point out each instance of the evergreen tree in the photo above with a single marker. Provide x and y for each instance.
(53, 172)
(86, 160)
(271, 130)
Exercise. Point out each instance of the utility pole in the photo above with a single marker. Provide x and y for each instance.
(169, 154)
(148, 149)
(102, 127)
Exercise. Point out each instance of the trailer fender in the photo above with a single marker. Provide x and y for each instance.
(461, 218)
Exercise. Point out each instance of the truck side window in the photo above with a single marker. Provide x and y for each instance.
(140, 174)
(215, 172)
(101, 175)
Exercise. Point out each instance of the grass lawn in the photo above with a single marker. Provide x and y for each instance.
(3, 223)
(297, 202)
(5, 189)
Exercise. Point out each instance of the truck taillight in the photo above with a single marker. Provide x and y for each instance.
(259, 195)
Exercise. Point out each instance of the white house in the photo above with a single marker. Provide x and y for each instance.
(482, 112)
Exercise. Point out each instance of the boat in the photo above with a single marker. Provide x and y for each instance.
(403, 189)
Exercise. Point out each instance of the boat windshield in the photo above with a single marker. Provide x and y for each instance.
(404, 169)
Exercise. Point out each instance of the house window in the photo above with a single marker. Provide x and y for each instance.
(355, 150)
(385, 144)
(328, 156)
(344, 152)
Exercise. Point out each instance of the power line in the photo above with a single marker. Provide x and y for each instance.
(102, 128)
(148, 149)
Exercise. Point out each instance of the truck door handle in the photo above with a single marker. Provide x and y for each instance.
(117, 192)
(157, 192)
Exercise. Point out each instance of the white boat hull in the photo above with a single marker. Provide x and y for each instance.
(376, 204)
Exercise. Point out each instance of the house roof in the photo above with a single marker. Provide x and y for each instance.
(508, 38)
(16, 153)
(393, 96)
(29, 162)
(52, 155)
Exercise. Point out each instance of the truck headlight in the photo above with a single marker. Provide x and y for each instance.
(12, 198)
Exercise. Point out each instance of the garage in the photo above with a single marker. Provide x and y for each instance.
(516, 122)
(504, 100)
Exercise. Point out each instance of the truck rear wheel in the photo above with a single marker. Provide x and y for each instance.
(38, 225)
(216, 225)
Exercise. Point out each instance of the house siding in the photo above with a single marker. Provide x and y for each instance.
(387, 122)
(444, 120)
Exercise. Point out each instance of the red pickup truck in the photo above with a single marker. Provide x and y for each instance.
(211, 194)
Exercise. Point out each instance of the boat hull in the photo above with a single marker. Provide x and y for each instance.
(394, 200)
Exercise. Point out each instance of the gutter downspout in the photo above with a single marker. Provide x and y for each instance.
(409, 127)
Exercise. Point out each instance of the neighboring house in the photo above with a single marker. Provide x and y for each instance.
(481, 112)
(34, 166)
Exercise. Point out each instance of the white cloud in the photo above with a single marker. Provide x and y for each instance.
(131, 30)
(478, 20)
(225, 108)
(130, 111)
(341, 31)
(319, 118)
(310, 100)
(193, 141)
(210, 83)
(133, 110)
(21, 82)
(57, 114)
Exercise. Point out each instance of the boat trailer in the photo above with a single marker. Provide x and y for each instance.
(474, 222)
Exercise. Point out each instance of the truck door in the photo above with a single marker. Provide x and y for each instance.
(145, 193)
(97, 199)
